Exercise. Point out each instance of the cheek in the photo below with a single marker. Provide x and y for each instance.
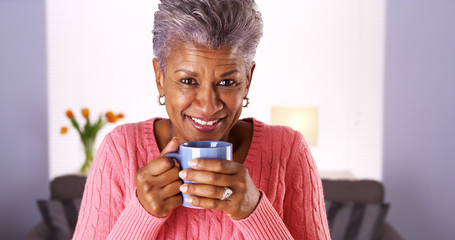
(179, 101)
(234, 103)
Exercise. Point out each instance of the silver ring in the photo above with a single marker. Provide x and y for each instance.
(227, 193)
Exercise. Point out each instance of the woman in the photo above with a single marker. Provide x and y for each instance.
(204, 66)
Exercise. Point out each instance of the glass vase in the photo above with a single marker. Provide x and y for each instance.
(89, 150)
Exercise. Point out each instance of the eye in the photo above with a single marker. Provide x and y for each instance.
(226, 82)
(189, 81)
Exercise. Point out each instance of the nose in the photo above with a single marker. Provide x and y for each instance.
(208, 101)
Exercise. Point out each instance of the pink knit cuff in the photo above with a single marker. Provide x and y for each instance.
(263, 223)
(136, 223)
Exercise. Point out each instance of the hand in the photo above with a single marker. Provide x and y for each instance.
(215, 174)
(158, 183)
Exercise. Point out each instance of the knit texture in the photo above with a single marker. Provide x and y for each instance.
(279, 163)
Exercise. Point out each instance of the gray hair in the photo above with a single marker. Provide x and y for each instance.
(208, 23)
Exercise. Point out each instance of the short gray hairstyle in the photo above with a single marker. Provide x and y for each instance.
(208, 23)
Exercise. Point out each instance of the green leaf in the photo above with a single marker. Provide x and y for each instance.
(75, 124)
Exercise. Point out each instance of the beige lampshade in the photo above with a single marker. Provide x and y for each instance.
(302, 119)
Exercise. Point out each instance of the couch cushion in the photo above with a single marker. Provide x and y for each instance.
(60, 216)
(364, 191)
(67, 187)
(355, 221)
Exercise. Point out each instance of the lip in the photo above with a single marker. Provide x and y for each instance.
(205, 128)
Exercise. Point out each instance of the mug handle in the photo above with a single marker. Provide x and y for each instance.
(173, 155)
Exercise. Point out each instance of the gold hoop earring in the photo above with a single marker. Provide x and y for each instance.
(246, 101)
(159, 100)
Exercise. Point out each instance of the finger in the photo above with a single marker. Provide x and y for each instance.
(158, 166)
(206, 177)
(173, 202)
(208, 203)
(168, 177)
(163, 210)
(171, 190)
(216, 165)
(172, 146)
(203, 190)
(177, 164)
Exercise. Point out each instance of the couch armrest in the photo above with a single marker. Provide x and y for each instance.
(39, 232)
(389, 233)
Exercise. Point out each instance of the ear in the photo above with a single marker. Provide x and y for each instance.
(250, 77)
(159, 77)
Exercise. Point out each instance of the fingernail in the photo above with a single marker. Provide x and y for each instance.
(193, 163)
(182, 174)
(189, 200)
(183, 188)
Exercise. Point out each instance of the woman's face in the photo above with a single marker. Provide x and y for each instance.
(204, 91)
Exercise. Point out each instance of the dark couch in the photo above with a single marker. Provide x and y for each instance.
(369, 192)
(361, 191)
(62, 188)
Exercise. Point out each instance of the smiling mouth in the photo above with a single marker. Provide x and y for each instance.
(205, 125)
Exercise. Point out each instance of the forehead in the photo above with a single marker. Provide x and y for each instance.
(185, 54)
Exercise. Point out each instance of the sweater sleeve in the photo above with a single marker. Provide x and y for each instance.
(136, 223)
(303, 206)
(104, 212)
(263, 223)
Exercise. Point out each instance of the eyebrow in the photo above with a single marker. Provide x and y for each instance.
(194, 74)
(229, 73)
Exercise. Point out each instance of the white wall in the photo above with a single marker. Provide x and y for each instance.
(329, 55)
(99, 55)
(324, 54)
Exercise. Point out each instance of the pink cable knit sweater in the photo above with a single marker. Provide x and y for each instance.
(279, 162)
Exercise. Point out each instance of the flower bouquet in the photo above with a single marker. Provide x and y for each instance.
(88, 132)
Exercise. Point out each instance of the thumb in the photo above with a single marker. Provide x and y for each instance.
(172, 146)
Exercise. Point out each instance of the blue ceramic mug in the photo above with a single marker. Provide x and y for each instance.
(200, 149)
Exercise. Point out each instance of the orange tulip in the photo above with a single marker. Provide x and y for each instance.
(109, 114)
(85, 112)
(64, 130)
(69, 114)
(120, 116)
(111, 117)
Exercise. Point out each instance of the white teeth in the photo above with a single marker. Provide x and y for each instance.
(204, 123)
